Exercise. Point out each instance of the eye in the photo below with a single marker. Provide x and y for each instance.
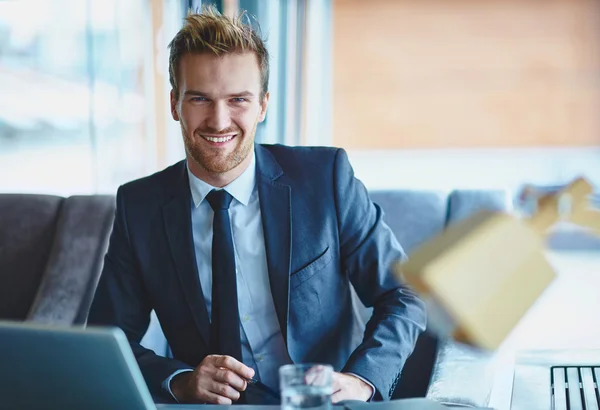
(239, 99)
(198, 99)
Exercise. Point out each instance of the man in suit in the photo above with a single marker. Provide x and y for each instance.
(247, 252)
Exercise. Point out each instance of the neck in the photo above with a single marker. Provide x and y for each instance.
(219, 180)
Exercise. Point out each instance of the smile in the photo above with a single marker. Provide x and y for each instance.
(218, 139)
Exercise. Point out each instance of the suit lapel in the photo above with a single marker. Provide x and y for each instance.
(276, 209)
(177, 219)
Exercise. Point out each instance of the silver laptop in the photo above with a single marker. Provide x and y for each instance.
(45, 367)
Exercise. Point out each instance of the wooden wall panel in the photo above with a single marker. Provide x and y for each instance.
(466, 73)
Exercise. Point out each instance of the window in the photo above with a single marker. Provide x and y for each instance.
(74, 101)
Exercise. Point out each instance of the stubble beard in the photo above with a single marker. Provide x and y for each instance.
(213, 160)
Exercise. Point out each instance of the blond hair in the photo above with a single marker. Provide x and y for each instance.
(212, 32)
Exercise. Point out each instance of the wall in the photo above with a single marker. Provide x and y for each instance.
(466, 73)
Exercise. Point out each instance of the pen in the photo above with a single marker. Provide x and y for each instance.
(259, 385)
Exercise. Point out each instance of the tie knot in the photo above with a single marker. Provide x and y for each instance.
(219, 199)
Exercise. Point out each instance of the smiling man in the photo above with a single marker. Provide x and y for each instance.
(248, 252)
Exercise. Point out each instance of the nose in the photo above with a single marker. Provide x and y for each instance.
(218, 118)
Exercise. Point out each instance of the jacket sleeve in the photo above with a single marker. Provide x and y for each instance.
(121, 300)
(369, 251)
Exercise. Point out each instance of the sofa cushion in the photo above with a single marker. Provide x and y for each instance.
(413, 216)
(462, 375)
(573, 238)
(463, 203)
(73, 269)
(570, 237)
(28, 224)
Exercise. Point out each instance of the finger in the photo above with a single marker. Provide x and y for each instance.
(224, 390)
(336, 382)
(338, 396)
(231, 378)
(212, 398)
(235, 365)
(316, 376)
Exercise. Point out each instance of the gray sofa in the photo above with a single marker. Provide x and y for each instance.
(416, 216)
(51, 251)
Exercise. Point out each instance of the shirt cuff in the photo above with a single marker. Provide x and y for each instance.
(366, 381)
(166, 385)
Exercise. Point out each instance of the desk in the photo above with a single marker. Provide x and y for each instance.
(565, 317)
(533, 378)
(405, 404)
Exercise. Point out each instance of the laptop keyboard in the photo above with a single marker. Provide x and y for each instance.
(575, 387)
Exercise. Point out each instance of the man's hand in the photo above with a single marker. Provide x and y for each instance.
(217, 380)
(349, 387)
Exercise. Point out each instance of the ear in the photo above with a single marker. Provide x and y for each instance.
(174, 113)
(263, 107)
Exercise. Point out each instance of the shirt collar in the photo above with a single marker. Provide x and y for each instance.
(240, 188)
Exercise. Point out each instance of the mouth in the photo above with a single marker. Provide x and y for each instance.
(218, 140)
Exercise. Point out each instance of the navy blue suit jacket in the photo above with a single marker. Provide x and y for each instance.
(322, 233)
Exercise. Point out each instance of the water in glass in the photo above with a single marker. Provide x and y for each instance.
(306, 397)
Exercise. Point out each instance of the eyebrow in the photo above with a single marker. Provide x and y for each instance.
(234, 95)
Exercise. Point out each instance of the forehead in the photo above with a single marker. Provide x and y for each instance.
(209, 73)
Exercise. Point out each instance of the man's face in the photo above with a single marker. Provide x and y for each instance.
(219, 108)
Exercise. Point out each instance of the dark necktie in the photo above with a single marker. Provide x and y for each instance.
(225, 325)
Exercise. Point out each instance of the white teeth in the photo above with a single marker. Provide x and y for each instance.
(218, 139)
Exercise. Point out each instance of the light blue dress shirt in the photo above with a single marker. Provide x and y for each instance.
(263, 347)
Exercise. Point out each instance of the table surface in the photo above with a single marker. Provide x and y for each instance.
(532, 378)
(405, 404)
(566, 316)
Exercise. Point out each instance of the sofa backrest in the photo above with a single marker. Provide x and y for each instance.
(417, 216)
(51, 253)
(413, 216)
(463, 203)
(27, 229)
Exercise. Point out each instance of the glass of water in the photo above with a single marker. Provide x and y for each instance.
(306, 386)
